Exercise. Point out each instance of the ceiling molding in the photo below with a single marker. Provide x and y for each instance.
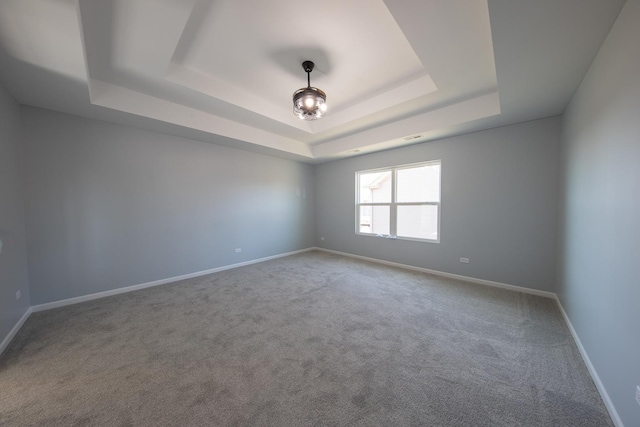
(223, 71)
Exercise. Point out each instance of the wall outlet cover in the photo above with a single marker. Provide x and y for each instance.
(464, 260)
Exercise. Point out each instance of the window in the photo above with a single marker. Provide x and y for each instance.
(401, 201)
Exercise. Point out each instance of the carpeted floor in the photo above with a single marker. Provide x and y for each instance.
(308, 340)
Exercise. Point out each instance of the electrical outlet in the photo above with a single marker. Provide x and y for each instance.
(238, 250)
(638, 394)
(18, 294)
(322, 238)
(464, 260)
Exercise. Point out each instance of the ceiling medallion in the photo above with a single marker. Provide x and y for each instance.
(309, 103)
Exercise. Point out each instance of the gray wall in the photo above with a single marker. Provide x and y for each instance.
(109, 206)
(499, 205)
(599, 280)
(13, 260)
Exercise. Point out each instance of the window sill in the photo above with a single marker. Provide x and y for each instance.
(388, 237)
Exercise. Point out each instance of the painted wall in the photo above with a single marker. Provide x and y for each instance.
(599, 280)
(13, 259)
(109, 206)
(499, 205)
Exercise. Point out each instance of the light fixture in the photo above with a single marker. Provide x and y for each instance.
(309, 103)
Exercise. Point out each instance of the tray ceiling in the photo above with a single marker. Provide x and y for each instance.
(223, 71)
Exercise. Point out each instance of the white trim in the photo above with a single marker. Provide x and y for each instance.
(89, 297)
(449, 275)
(61, 303)
(12, 333)
(592, 370)
(393, 204)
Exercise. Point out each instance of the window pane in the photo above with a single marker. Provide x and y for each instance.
(420, 222)
(375, 187)
(420, 184)
(374, 219)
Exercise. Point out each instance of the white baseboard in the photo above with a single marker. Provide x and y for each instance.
(449, 275)
(592, 370)
(89, 297)
(55, 304)
(12, 333)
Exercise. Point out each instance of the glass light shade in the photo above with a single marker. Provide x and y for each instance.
(309, 103)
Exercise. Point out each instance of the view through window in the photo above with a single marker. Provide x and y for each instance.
(400, 201)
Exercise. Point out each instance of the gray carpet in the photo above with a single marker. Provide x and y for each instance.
(308, 340)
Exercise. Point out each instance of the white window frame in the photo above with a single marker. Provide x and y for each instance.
(393, 205)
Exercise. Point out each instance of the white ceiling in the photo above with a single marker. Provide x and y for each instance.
(396, 72)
